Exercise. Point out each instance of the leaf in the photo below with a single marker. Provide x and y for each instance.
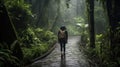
(4, 55)
(13, 45)
(2, 59)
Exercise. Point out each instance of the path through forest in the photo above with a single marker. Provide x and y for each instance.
(72, 58)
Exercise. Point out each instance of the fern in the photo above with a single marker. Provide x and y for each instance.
(7, 59)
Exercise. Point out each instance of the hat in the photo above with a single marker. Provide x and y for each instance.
(63, 27)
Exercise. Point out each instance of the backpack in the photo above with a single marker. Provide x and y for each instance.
(62, 34)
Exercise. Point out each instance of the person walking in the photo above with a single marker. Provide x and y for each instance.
(62, 38)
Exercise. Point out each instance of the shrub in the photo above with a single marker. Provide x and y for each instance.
(36, 41)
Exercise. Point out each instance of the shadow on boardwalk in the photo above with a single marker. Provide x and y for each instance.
(72, 58)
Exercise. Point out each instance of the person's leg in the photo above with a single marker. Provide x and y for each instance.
(64, 47)
(61, 47)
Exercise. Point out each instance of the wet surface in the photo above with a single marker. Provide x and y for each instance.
(72, 58)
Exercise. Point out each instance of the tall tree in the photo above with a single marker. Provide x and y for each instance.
(91, 22)
(113, 11)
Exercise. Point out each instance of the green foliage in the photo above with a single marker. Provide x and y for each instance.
(102, 52)
(18, 4)
(34, 52)
(19, 12)
(82, 28)
(35, 42)
(79, 19)
(73, 30)
(28, 37)
(35, 36)
(45, 36)
(6, 57)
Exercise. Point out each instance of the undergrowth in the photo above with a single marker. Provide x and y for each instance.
(36, 42)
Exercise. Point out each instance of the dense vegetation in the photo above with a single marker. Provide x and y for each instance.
(31, 26)
(33, 41)
(103, 41)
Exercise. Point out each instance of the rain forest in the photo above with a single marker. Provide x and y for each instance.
(29, 33)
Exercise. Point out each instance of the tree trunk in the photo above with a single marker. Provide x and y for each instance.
(113, 11)
(91, 22)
